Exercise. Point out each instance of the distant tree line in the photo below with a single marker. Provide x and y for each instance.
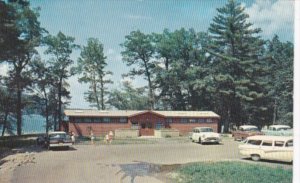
(229, 69)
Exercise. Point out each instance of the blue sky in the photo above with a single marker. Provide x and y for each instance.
(111, 20)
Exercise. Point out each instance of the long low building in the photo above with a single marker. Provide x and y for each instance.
(81, 122)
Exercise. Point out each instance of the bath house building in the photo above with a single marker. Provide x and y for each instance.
(145, 123)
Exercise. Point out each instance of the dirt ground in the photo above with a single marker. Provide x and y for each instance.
(113, 163)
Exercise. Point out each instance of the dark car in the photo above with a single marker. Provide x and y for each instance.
(41, 140)
(58, 139)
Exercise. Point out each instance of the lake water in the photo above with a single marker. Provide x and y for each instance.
(32, 123)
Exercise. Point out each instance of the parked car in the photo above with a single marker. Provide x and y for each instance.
(58, 139)
(279, 130)
(205, 135)
(41, 140)
(245, 131)
(278, 148)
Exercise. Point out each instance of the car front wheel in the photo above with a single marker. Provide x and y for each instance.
(255, 157)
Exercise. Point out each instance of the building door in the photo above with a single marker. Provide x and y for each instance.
(146, 129)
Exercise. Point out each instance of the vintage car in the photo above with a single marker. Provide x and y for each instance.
(279, 130)
(245, 131)
(58, 139)
(41, 140)
(205, 135)
(279, 148)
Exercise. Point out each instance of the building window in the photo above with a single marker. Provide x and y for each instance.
(97, 120)
(78, 120)
(192, 120)
(209, 120)
(106, 120)
(158, 125)
(123, 120)
(183, 120)
(87, 120)
(169, 120)
(134, 125)
(201, 120)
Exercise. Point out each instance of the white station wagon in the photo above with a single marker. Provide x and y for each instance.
(205, 135)
(278, 148)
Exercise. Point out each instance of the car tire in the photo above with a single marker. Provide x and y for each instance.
(255, 157)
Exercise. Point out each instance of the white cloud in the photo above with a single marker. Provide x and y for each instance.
(273, 17)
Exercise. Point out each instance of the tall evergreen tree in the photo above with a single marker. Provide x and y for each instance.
(238, 52)
(139, 52)
(20, 33)
(92, 65)
(60, 48)
(280, 80)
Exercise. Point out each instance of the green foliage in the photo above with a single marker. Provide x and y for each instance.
(128, 98)
(91, 65)
(139, 51)
(60, 48)
(20, 33)
(238, 66)
(234, 172)
(280, 83)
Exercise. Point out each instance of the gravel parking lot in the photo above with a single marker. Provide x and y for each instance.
(121, 163)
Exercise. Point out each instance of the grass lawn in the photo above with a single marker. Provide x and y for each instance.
(233, 172)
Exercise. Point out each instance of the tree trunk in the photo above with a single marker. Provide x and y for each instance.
(96, 96)
(46, 111)
(4, 123)
(59, 104)
(151, 98)
(275, 112)
(102, 94)
(19, 101)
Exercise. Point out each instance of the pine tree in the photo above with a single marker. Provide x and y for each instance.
(91, 65)
(238, 71)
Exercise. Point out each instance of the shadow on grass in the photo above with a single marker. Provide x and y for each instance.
(140, 169)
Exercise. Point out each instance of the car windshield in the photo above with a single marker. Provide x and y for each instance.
(206, 130)
(251, 129)
(54, 136)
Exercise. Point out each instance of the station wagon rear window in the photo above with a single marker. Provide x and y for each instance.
(289, 143)
(279, 143)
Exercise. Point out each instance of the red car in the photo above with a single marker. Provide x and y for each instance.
(245, 131)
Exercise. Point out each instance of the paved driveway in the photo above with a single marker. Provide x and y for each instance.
(120, 163)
